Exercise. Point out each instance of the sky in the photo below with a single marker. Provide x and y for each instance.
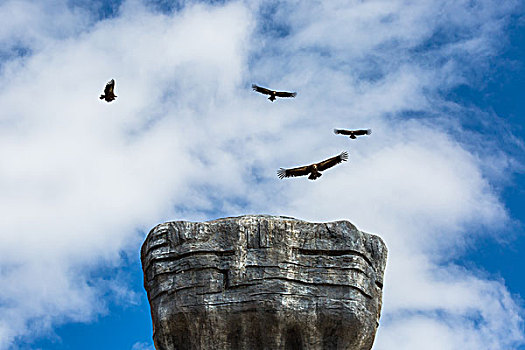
(440, 179)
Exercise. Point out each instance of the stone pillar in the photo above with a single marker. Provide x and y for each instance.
(263, 282)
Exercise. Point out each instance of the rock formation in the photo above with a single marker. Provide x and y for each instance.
(263, 282)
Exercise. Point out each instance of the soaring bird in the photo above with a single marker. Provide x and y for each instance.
(313, 169)
(273, 94)
(109, 94)
(353, 133)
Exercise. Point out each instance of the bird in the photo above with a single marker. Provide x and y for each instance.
(313, 169)
(353, 133)
(109, 94)
(273, 94)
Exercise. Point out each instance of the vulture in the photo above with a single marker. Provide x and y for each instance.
(109, 94)
(273, 94)
(353, 133)
(313, 169)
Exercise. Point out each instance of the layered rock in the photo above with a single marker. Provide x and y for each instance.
(263, 282)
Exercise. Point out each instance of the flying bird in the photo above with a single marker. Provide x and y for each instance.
(109, 94)
(353, 133)
(313, 169)
(273, 94)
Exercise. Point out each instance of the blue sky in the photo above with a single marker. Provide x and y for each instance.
(440, 179)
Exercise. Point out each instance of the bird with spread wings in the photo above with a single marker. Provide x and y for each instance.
(109, 94)
(313, 169)
(353, 133)
(273, 94)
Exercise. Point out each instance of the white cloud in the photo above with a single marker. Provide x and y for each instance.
(187, 139)
(142, 346)
(30, 25)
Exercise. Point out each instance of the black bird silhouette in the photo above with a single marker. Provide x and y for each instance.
(109, 94)
(313, 169)
(273, 94)
(353, 133)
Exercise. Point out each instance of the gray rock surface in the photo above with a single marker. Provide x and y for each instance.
(263, 282)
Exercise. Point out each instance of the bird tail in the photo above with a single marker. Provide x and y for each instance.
(314, 175)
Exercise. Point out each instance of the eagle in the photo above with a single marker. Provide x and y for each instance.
(313, 169)
(273, 94)
(353, 133)
(109, 94)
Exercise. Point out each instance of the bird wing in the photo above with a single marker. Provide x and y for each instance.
(285, 94)
(342, 132)
(362, 132)
(261, 89)
(299, 171)
(109, 87)
(330, 162)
